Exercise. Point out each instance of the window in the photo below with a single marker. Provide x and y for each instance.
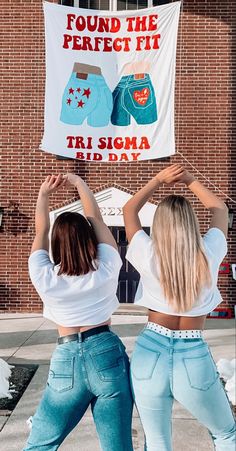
(91, 4)
(113, 5)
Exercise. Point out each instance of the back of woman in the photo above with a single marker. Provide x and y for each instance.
(178, 284)
(89, 366)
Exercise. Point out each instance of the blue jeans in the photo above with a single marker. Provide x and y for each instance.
(164, 368)
(86, 98)
(134, 97)
(93, 372)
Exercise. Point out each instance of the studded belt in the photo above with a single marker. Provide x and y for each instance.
(173, 333)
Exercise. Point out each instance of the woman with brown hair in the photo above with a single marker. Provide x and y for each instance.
(178, 285)
(89, 366)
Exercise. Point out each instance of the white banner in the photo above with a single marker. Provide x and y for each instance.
(110, 80)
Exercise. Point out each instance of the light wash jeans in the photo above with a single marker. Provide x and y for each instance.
(90, 98)
(164, 369)
(93, 372)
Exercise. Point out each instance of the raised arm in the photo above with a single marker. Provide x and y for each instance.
(133, 206)
(218, 209)
(91, 210)
(42, 223)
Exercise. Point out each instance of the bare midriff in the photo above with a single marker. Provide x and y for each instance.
(63, 331)
(177, 322)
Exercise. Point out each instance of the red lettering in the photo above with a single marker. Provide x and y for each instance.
(148, 46)
(118, 143)
(144, 144)
(152, 22)
(140, 24)
(148, 42)
(67, 39)
(76, 43)
(124, 157)
(130, 21)
(112, 157)
(103, 24)
(107, 47)
(117, 44)
(89, 144)
(70, 20)
(97, 156)
(126, 47)
(97, 42)
(102, 143)
(80, 155)
(130, 142)
(92, 23)
(70, 142)
(115, 25)
(87, 43)
(80, 23)
(156, 38)
(135, 156)
(140, 40)
(79, 142)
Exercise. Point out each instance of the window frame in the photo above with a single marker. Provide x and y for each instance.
(112, 4)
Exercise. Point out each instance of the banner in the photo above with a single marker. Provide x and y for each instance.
(110, 80)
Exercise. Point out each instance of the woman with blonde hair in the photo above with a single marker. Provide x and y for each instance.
(178, 285)
(89, 366)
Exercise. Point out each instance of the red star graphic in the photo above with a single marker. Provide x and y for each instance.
(80, 104)
(86, 93)
(68, 101)
(78, 89)
(71, 91)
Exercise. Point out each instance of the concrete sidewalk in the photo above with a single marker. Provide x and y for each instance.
(29, 338)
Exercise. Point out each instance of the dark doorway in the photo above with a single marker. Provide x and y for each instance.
(129, 277)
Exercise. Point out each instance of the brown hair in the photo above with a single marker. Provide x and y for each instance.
(74, 244)
(184, 269)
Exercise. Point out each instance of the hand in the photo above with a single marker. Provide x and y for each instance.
(71, 179)
(170, 175)
(186, 178)
(52, 184)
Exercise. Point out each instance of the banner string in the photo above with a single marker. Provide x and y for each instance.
(179, 103)
(207, 180)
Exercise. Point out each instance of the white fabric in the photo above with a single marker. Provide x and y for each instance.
(173, 333)
(83, 300)
(158, 63)
(149, 294)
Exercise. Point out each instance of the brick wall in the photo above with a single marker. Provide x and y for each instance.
(205, 128)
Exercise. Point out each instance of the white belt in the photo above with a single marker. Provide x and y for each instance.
(173, 333)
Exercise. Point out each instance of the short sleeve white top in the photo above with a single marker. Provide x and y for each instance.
(149, 294)
(82, 300)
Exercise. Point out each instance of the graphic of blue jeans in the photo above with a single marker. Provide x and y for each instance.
(164, 368)
(93, 372)
(88, 98)
(134, 97)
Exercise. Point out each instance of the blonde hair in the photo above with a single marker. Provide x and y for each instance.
(184, 268)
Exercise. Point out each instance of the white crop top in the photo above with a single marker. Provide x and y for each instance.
(83, 300)
(149, 294)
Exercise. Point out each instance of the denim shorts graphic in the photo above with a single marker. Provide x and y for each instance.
(134, 97)
(89, 98)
